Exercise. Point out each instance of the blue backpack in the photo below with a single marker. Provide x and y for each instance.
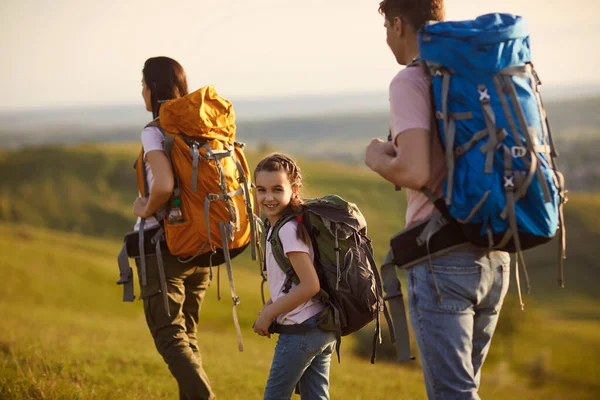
(503, 188)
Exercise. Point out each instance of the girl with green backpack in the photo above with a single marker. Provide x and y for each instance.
(303, 351)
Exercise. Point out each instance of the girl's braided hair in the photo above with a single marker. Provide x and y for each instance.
(278, 162)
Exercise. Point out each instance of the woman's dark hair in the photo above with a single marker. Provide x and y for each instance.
(277, 162)
(166, 80)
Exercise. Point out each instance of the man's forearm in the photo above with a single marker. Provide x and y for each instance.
(397, 172)
(403, 165)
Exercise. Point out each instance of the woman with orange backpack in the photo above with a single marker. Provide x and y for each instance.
(172, 319)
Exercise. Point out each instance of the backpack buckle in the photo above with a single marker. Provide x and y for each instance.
(509, 182)
(518, 151)
(484, 96)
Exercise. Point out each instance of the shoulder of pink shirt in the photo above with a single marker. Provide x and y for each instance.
(414, 74)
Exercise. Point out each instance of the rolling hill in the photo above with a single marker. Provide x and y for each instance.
(66, 334)
(90, 188)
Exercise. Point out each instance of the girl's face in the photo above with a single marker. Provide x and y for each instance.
(274, 193)
(146, 95)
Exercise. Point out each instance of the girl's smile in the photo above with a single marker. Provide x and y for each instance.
(274, 193)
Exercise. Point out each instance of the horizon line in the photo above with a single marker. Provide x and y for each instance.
(576, 91)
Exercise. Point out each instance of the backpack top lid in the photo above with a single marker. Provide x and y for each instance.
(202, 114)
(476, 48)
(338, 210)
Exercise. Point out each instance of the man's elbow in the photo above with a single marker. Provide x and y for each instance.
(416, 177)
(422, 177)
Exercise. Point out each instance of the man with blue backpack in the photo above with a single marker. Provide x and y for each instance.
(470, 143)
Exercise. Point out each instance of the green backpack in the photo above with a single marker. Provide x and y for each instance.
(350, 282)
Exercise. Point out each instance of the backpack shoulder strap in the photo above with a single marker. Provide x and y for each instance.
(279, 255)
(168, 143)
(155, 122)
(169, 140)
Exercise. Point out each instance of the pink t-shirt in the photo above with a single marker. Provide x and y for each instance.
(410, 108)
(276, 277)
(152, 139)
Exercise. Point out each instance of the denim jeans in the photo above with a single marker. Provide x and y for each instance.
(454, 330)
(304, 359)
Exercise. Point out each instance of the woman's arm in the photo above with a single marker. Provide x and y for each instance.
(162, 187)
(308, 287)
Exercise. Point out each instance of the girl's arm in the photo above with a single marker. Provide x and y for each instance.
(162, 187)
(308, 287)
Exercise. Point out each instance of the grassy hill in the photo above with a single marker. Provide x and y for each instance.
(66, 334)
(90, 189)
(334, 135)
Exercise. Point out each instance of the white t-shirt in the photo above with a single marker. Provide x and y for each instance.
(152, 139)
(276, 277)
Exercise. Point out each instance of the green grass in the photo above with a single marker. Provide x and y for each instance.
(65, 334)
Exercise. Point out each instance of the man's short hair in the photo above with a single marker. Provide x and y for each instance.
(415, 12)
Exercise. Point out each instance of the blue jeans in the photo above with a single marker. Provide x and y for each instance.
(302, 358)
(454, 332)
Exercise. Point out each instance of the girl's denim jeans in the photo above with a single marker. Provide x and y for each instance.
(304, 359)
(455, 324)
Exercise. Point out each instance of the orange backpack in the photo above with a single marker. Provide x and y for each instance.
(212, 181)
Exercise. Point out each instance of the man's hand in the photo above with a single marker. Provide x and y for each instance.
(375, 152)
(139, 207)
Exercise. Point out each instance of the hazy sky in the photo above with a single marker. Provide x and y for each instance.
(81, 52)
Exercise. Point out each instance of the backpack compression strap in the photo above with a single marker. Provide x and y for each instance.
(234, 296)
(249, 211)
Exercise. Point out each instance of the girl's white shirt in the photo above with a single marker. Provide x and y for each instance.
(276, 277)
